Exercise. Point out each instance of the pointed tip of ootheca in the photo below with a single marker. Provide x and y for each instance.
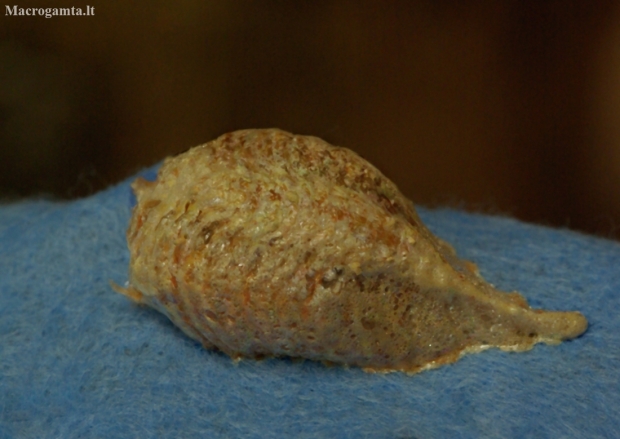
(557, 326)
(263, 243)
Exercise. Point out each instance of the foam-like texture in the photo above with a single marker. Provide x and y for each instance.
(79, 361)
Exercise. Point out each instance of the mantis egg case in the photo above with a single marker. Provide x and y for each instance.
(264, 243)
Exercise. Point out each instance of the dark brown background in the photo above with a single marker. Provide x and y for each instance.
(508, 107)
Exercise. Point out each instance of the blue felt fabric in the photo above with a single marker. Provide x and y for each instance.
(78, 360)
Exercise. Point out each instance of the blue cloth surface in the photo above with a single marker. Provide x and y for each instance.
(79, 361)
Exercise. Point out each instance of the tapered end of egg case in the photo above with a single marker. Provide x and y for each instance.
(557, 326)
